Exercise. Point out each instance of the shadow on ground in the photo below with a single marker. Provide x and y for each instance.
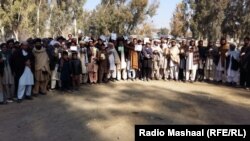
(109, 112)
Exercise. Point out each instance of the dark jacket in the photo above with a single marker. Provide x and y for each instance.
(202, 52)
(1, 65)
(18, 62)
(76, 66)
(65, 70)
(235, 63)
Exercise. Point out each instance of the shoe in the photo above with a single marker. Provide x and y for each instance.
(19, 101)
(3, 103)
(35, 95)
(43, 93)
(29, 98)
(10, 101)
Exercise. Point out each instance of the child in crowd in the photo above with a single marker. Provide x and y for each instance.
(76, 70)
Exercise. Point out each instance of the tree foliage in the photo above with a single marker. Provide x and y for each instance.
(212, 19)
(40, 18)
(179, 24)
(120, 16)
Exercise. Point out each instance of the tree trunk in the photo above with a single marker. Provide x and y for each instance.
(38, 19)
(16, 34)
(3, 34)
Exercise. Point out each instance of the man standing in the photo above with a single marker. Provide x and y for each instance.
(221, 69)
(8, 77)
(245, 64)
(42, 69)
(24, 62)
(232, 65)
(210, 66)
(84, 61)
(174, 61)
(202, 61)
(192, 61)
(147, 61)
(2, 100)
(157, 59)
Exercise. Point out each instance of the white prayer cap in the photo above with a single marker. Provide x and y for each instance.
(233, 44)
(157, 40)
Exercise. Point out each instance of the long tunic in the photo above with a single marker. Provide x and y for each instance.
(92, 66)
(84, 60)
(174, 56)
(232, 63)
(8, 78)
(41, 65)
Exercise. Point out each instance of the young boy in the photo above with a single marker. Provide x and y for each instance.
(65, 70)
(76, 70)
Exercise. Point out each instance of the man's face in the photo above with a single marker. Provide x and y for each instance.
(246, 41)
(210, 44)
(173, 44)
(184, 42)
(156, 43)
(147, 45)
(135, 41)
(24, 47)
(70, 36)
(75, 56)
(65, 56)
(91, 44)
(11, 45)
(232, 47)
(4, 48)
(103, 47)
(38, 45)
(223, 42)
(200, 43)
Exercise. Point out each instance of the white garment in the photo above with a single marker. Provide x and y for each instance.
(193, 74)
(112, 66)
(122, 74)
(189, 61)
(220, 67)
(209, 64)
(232, 75)
(54, 77)
(24, 89)
(174, 72)
(123, 61)
(27, 77)
(84, 61)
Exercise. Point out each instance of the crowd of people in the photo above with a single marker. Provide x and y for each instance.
(30, 68)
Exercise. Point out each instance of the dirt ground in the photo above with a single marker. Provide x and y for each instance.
(109, 112)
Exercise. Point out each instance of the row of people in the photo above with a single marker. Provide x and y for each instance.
(31, 67)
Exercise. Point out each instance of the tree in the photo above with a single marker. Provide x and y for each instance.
(120, 16)
(206, 18)
(179, 22)
(163, 31)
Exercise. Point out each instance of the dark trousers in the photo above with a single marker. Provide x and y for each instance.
(244, 78)
(200, 74)
(102, 76)
(65, 85)
(181, 74)
(147, 68)
(147, 72)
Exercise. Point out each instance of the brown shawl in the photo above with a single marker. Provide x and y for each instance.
(134, 59)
